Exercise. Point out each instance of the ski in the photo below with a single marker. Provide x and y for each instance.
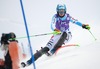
(65, 46)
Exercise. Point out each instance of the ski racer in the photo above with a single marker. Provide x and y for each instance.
(60, 26)
(5, 39)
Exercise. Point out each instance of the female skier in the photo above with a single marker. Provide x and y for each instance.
(60, 26)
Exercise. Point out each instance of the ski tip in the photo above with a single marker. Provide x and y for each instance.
(66, 46)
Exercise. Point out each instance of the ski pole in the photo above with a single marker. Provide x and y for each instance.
(92, 35)
(54, 33)
(34, 35)
(31, 36)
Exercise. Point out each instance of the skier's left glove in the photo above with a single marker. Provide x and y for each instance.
(86, 26)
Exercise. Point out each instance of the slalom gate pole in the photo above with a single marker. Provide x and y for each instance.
(21, 3)
(92, 35)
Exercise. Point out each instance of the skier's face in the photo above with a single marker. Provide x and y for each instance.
(61, 12)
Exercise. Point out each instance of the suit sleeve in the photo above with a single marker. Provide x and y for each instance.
(75, 21)
(53, 23)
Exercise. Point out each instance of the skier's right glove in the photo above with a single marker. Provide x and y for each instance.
(86, 26)
(56, 31)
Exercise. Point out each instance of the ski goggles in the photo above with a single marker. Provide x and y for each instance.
(61, 11)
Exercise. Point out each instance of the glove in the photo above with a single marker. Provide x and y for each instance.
(56, 31)
(23, 64)
(86, 26)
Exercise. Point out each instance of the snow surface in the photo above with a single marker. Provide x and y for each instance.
(38, 15)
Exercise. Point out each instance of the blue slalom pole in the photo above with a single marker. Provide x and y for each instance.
(28, 37)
